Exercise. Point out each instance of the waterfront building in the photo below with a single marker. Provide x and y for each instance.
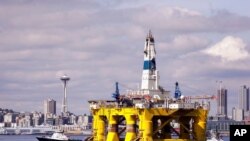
(237, 114)
(28, 119)
(247, 117)
(244, 98)
(37, 118)
(9, 119)
(58, 120)
(61, 120)
(72, 119)
(50, 121)
(49, 108)
(222, 126)
(25, 120)
(85, 121)
(80, 120)
(222, 102)
(1, 117)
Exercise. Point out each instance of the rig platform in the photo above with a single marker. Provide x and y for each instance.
(149, 114)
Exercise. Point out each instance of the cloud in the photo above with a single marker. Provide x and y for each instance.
(98, 43)
(229, 49)
(183, 20)
(187, 42)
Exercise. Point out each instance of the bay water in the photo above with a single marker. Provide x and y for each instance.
(30, 137)
(33, 137)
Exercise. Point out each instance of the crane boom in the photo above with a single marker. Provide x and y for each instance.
(212, 97)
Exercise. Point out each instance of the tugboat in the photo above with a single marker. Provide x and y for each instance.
(57, 136)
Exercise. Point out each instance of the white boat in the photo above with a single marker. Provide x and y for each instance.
(57, 136)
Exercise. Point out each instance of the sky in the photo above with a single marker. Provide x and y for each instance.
(100, 42)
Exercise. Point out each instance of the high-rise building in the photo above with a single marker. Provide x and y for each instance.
(49, 108)
(244, 98)
(222, 102)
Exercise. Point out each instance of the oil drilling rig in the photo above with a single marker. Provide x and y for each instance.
(149, 113)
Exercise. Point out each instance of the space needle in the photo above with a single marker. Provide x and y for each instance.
(65, 79)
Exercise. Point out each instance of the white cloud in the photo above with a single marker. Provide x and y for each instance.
(229, 49)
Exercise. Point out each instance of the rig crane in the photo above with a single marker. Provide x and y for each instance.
(212, 97)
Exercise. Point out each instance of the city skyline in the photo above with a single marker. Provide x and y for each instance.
(98, 43)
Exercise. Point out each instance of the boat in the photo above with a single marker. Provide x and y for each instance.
(149, 113)
(57, 136)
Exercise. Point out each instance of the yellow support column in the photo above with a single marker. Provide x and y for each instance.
(199, 128)
(130, 127)
(147, 126)
(112, 129)
(99, 127)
